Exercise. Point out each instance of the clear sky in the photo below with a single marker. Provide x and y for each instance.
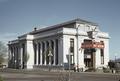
(20, 16)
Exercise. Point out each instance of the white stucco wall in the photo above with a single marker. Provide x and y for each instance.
(71, 33)
(81, 52)
(30, 52)
(97, 58)
(106, 52)
(60, 51)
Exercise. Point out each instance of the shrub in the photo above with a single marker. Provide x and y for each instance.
(1, 79)
(106, 70)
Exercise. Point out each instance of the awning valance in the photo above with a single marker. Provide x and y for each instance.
(92, 45)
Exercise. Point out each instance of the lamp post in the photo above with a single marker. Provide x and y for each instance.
(50, 58)
(115, 57)
(69, 65)
(115, 62)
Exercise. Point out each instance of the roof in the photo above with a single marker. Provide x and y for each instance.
(78, 20)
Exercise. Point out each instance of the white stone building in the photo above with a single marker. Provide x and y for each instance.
(77, 43)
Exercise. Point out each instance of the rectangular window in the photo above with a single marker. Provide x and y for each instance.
(34, 53)
(39, 53)
(102, 55)
(43, 52)
(23, 46)
(56, 52)
(72, 51)
(71, 45)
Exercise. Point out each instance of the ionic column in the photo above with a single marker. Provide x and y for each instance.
(50, 51)
(20, 55)
(54, 50)
(45, 52)
(41, 53)
(37, 53)
(14, 56)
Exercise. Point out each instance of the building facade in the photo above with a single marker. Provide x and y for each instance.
(78, 43)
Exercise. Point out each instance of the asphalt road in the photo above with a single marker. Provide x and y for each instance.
(59, 76)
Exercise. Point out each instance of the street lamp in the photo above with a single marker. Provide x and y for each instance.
(115, 62)
(50, 58)
(115, 57)
(69, 66)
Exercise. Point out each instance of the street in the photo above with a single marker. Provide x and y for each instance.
(59, 76)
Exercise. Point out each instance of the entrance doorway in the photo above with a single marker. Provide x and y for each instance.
(89, 58)
(89, 47)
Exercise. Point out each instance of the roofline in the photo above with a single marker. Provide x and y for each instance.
(78, 20)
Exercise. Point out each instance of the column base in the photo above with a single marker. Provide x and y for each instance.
(29, 66)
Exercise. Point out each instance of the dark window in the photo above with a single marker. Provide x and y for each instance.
(72, 51)
(86, 40)
(43, 52)
(47, 52)
(35, 53)
(56, 51)
(23, 46)
(102, 55)
(39, 53)
(71, 45)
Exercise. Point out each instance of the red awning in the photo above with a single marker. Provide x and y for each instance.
(92, 45)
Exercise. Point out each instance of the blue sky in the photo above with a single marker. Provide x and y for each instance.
(20, 16)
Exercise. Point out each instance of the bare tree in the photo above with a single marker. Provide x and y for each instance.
(3, 52)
